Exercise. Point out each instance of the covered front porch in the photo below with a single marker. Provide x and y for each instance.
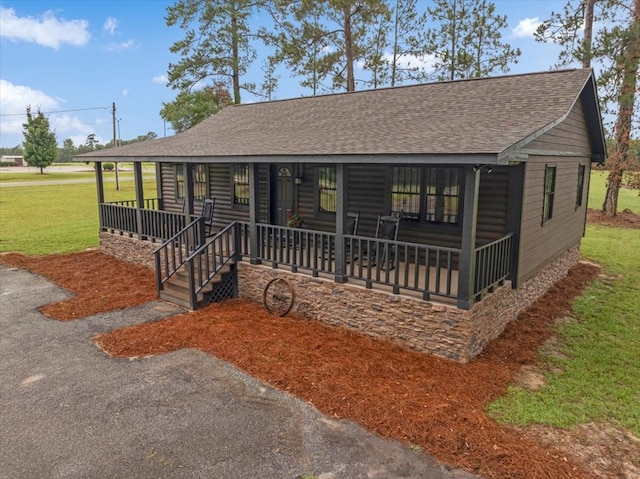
(459, 274)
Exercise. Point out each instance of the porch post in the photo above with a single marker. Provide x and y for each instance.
(188, 203)
(158, 167)
(100, 188)
(254, 197)
(341, 217)
(188, 191)
(514, 216)
(137, 178)
(467, 266)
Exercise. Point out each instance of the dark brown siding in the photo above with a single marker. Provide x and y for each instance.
(492, 205)
(541, 243)
(219, 189)
(369, 193)
(168, 172)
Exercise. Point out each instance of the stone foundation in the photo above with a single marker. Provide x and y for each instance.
(426, 326)
(128, 249)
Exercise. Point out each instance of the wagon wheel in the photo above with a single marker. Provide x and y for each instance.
(278, 297)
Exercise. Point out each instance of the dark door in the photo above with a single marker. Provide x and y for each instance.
(283, 194)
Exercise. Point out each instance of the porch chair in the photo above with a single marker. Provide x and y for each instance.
(386, 229)
(207, 213)
(353, 218)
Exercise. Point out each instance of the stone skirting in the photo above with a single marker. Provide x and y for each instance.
(426, 326)
(128, 249)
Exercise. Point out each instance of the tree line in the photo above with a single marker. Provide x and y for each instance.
(329, 45)
(342, 45)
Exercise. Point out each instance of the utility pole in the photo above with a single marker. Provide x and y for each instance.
(115, 144)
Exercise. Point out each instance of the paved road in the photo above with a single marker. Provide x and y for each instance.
(7, 184)
(67, 410)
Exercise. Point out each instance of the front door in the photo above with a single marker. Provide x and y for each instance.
(283, 194)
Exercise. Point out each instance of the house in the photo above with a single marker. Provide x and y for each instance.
(18, 160)
(483, 183)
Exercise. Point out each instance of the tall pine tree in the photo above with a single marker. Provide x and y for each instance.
(616, 46)
(466, 39)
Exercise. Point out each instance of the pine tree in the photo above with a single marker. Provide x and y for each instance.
(216, 46)
(617, 47)
(40, 145)
(324, 39)
(466, 40)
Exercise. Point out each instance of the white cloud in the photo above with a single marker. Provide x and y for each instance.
(46, 30)
(118, 47)
(110, 25)
(423, 62)
(526, 28)
(160, 79)
(15, 99)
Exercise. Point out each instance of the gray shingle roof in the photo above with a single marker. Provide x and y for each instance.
(479, 116)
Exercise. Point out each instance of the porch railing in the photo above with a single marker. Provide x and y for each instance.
(174, 252)
(209, 259)
(298, 248)
(409, 266)
(148, 203)
(155, 224)
(493, 264)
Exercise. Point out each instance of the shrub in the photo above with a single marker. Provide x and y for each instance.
(107, 166)
(8, 163)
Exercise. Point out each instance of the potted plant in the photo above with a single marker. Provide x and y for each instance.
(294, 220)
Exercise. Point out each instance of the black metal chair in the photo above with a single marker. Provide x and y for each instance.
(207, 213)
(386, 229)
(353, 218)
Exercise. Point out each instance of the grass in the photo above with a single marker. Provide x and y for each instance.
(627, 199)
(45, 219)
(600, 373)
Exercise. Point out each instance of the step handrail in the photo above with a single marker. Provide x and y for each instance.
(174, 253)
(211, 257)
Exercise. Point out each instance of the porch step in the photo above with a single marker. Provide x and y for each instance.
(176, 290)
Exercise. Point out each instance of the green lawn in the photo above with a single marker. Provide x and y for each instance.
(599, 377)
(39, 220)
(627, 199)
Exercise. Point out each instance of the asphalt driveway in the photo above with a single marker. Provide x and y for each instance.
(67, 410)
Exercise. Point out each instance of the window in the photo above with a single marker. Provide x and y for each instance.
(200, 182)
(240, 179)
(549, 192)
(179, 182)
(327, 189)
(442, 195)
(581, 170)
(405, 192)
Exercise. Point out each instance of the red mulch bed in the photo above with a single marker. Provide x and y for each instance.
(99, 282)
(420, 399)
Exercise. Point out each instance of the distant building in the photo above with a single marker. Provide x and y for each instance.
(18, 160)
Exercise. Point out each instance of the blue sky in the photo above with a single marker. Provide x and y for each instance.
(75, 58)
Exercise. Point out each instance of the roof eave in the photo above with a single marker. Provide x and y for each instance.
(589, 97)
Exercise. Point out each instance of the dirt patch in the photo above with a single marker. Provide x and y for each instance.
(610, 452)
(429, 402)
(624, 219)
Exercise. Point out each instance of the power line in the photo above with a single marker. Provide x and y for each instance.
(60, 111)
